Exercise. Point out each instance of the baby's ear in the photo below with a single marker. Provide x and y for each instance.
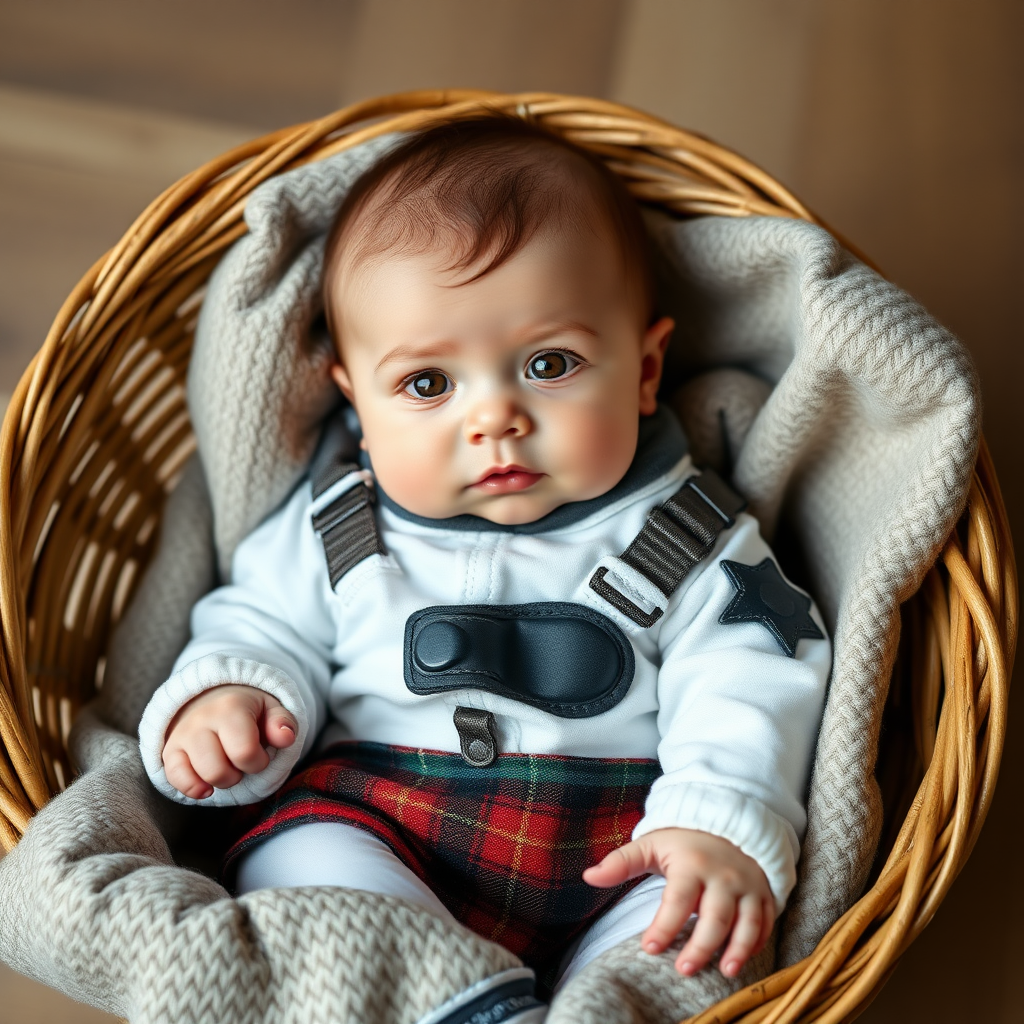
(340, 377)
(652, 361)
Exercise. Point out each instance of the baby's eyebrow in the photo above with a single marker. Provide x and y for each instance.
(437, 350)
(542, 331)
(413, 352)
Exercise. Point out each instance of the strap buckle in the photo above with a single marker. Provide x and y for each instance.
(618, 600)
(678, 533)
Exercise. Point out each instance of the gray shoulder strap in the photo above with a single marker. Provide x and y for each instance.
(347, 527)
(678, 534)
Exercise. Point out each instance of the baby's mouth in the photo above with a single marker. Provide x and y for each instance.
(506, 480)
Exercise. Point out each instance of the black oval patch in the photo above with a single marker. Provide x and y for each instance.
(561, 657)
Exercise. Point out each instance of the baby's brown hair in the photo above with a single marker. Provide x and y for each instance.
(482, 187)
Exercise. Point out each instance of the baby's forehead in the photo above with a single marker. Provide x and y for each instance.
(552, 280)
(476, 193)
(440, 254)
(392, 223)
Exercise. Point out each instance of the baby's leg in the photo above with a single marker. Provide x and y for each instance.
(332, 853)
(629, 917)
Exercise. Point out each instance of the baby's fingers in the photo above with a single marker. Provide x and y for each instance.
(240, 739)
(620, 865)
(678, 900)
(210, 762)
(767, 923)
(279, 727)
(183, 777)
(746, 935)
(714, 922)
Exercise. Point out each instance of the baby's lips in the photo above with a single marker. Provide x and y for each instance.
(507, 480)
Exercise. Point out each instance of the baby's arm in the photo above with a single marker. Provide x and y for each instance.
(738, 719)
(706, 875)
(270, 629)
(220, 736)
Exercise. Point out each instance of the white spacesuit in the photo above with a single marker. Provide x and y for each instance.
(730, 715)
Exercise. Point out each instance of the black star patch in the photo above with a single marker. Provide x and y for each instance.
(762, 595)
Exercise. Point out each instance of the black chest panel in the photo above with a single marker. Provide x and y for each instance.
(560, 657)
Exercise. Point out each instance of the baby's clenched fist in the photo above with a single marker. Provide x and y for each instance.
(706, 875)
(221, 735)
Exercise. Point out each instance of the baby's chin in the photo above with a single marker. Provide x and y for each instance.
(514, 510)
(507, 509)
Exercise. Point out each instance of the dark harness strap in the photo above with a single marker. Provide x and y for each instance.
(678, 534)
(346, 526)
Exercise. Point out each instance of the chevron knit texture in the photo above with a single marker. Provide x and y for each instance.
(838, 404)
(625, 985)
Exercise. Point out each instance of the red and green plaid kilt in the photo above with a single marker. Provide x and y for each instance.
(503, 847)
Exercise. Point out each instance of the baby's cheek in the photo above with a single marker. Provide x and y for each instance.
(602, 450)
(413, 476)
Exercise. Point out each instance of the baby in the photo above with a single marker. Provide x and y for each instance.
(517, 689)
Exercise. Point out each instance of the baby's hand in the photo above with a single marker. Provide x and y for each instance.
(703, 873)
(219, 736)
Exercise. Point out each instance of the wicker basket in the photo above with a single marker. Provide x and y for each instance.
(97, 431)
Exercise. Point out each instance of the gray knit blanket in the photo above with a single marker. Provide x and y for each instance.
(841, 409)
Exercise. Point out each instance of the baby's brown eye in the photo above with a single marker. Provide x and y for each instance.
(428, 384)
(550, 365)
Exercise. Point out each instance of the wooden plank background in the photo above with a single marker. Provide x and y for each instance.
(900, 121)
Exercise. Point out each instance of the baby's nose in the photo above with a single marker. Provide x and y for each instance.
(496, 418)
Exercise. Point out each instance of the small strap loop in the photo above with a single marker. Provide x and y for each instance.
(679, 533)
(477, 739)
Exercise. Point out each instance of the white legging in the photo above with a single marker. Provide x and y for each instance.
(332, 853)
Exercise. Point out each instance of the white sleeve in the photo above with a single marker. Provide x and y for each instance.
(738, 719)
(270, 628)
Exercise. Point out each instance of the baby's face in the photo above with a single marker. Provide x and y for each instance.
(505, 397)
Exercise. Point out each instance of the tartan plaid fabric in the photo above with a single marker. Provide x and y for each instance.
(504, 847)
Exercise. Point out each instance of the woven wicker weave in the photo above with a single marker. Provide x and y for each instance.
(97, 431)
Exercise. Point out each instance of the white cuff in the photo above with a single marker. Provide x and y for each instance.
(197, 677)
(759, 832)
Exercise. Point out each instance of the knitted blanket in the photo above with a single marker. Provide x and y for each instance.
(845, 414)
